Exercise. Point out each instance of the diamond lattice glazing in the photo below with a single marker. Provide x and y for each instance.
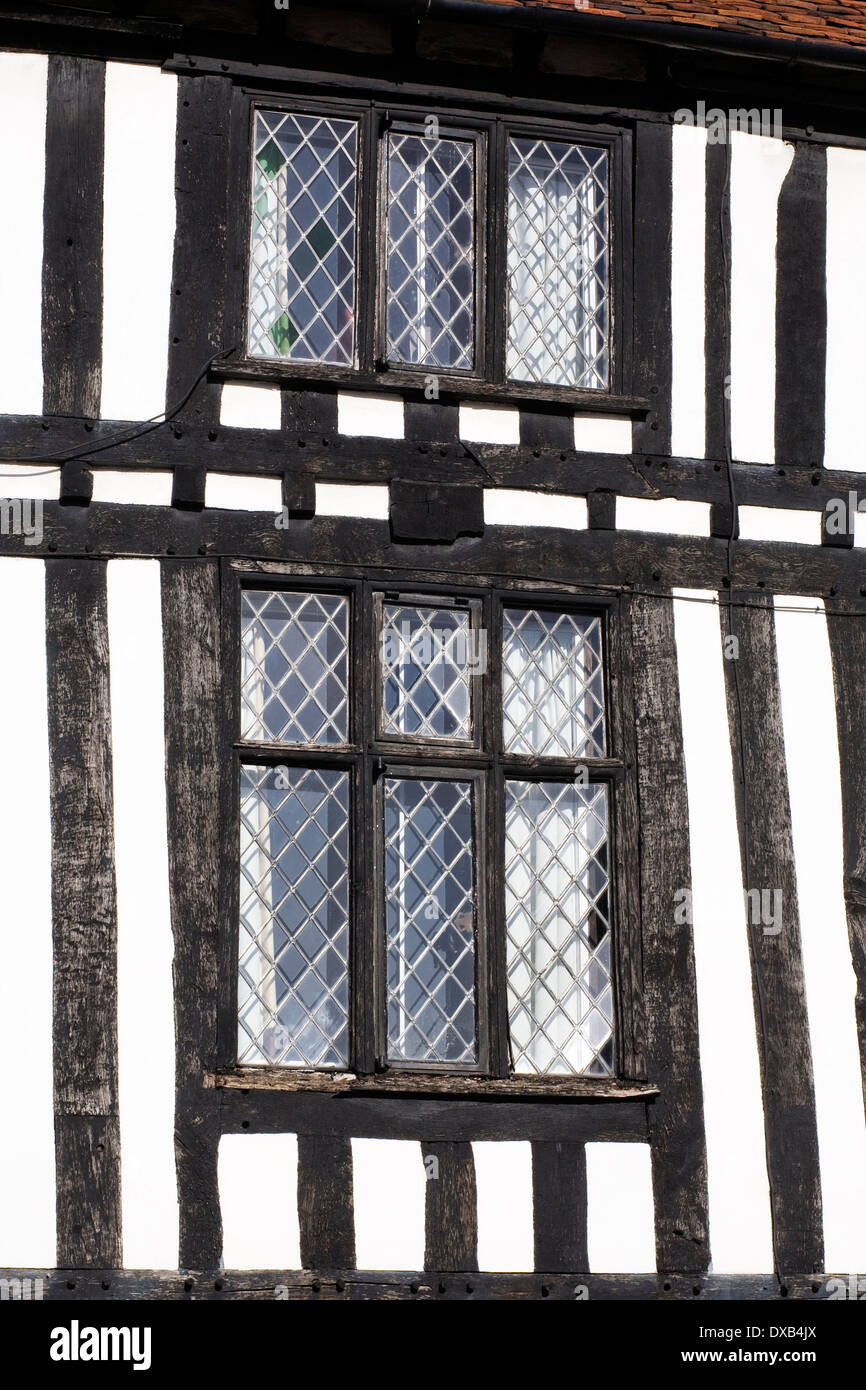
(560, 997)
(302, 257)
(293, 990)
(558, 264)
(430, 921)
(426, 672)
(431, 251)
(294, 667)
(552, 683)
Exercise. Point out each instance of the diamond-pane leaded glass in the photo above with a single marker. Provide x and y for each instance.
(431, 251)
(560, 997)
(558, 264)
(552, 684)
(302, 257)
(294, 667)
(426, 670)
(293, 990)
(430, 921)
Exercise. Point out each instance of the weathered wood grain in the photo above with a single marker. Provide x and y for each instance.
(193, 756)
(194, 1286)
(447, 1119)
(586, 561)
(676, 1119)
(717, 273)
(200, 281)
(451, 1209)
(801, 308)
(778, 983)
(435, 1084)
(72, 238)
(653, 349)
(326, 1208)
(559, 1206)
(848, 650)
(84, 911)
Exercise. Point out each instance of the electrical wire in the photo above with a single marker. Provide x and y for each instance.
(124, 436)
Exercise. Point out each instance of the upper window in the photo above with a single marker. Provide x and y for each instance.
(425, 834)
(398, 268)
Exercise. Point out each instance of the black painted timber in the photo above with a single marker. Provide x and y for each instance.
(676, 1120)
(193, 715)
(84, 912)
(778, 981)
(72, 237)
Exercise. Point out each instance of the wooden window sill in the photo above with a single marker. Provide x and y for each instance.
(451, 388)
(341, 1083)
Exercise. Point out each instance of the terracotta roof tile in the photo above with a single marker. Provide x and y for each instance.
(830, 21)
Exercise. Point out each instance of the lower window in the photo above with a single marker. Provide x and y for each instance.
(425, 853)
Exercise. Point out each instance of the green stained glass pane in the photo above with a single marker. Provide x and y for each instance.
(283, 334)
(321, 238)
(271, 159)
(303, 260)
(302, 242)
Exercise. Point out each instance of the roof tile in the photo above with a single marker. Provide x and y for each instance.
(837, 21)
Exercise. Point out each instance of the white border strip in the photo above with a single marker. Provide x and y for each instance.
(258, 1188)
(620, 1216)
(145, 946)
(759, 165)
(503, 1181)
(739, 1195)
(812, 756)
(27, 1183)
(138, 239)
(688, 292)
(846, 309)
(389, 1192)
(23, 102)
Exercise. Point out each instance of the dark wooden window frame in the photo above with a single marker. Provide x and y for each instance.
(369, 758)
(491, 129)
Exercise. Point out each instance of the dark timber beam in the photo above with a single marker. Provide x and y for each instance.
(652, 279)
(200, 278)
(328, 457)
(326, 1210)
(84, 910)
(451, 1212)
(193, 757)
(717, 276)
(350, 1285)
(447, 1121)
(778, 983)
(72, 238)
(848, 648)
(801, 308)
(676, 1120)
(591, 561)
(559, 1206)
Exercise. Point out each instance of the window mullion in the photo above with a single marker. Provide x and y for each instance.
(368, 257)
(497, 236)
(365, 987)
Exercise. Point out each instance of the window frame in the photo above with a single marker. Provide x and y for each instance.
(491, 128)
(369, 759)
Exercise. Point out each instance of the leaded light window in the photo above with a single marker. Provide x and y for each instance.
(558, 249)
(302, 255)
(425, 833)
(375, 246)
(430, 251)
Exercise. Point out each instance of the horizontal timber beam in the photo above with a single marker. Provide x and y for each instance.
(34, 439)
(352, 1285)
(593, 560)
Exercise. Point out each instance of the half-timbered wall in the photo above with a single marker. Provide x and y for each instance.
(695, 505)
